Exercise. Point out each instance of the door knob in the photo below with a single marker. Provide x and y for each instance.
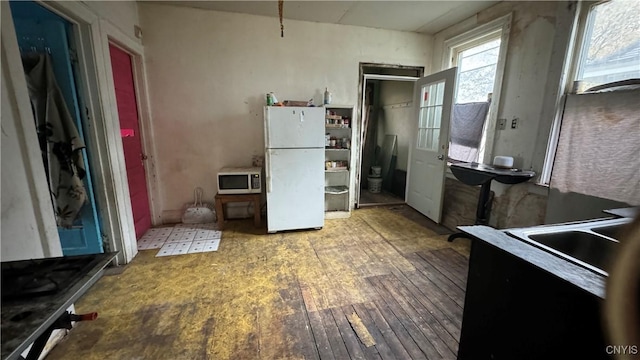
(440, 157)
(143, 157)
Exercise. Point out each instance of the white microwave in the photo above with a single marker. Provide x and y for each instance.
(240, 180)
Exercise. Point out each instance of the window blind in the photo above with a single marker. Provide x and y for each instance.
(598, 150)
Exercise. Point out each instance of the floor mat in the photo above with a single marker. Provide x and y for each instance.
(181, 239)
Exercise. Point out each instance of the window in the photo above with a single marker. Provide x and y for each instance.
(611, 44)
(476, 78)
(607, 38)
(477, 72)
(479, 55)
(430, 116)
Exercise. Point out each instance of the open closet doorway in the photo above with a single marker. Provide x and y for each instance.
(386, 131)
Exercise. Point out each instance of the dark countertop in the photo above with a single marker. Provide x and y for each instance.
(24, 320)
(563, 269)
(477, 174)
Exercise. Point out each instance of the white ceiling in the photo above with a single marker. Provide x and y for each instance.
(426, 17)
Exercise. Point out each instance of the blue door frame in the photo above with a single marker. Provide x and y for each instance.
(39, 29)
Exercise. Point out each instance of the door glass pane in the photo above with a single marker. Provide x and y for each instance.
(429, 143)
(422, 138)
(437, 117)
(424, 96)
(433, 91)
(430, 116)
(440, 97)
(423, 118)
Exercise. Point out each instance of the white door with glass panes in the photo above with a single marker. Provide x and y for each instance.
(433, 100)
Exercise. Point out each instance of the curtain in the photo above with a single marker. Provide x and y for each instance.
(598, 150)
(60, 143)
(467, 123)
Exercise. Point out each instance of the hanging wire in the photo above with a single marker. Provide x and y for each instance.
(280, 6)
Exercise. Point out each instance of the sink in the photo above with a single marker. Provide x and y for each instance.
(588, 248)
(590, 244)
(612, 231)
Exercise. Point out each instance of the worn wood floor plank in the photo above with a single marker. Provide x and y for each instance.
(338, 346)
(373, 247)
(358, 290)
(442, 308)
(348, 335)
(381, 345)
(453, 256)
(366, 340)
(441, 339)
(387, 332)
(394, 310)
(435, 294)
(300, 331)
(451, 271)
(443, 285)
(320, 336)
(317, 328)
(457, 270)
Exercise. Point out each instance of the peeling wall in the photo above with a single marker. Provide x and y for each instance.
(518, 206)
(535, 55)
(209, 71)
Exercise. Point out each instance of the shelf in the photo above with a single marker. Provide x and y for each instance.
(336, 126)
(339, 187)
(336, 190)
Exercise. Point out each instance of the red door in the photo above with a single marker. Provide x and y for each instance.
(131, 142)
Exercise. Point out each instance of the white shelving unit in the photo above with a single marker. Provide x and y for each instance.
(339, 159)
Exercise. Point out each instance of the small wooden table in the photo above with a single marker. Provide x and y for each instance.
(222, 199)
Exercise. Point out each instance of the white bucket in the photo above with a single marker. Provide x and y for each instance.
(374, 184)
(375, 171)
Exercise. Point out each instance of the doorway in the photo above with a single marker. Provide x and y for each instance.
(46, 42)
(134, 156)
(386, 124)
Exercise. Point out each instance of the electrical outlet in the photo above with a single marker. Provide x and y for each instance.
(514, 123)
(502, 124)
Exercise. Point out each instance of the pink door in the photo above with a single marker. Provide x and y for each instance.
(131, 142)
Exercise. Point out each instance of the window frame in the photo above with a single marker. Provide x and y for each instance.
(577, 50)
(500, 27)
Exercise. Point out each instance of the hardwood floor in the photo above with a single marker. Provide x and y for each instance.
(375, 286)
(413, 315)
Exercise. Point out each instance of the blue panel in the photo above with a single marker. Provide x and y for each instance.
(39, 29)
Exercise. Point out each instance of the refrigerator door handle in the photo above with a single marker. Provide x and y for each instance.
(268, 171)
(267, 140)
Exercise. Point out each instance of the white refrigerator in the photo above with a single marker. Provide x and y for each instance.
(294, 163)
